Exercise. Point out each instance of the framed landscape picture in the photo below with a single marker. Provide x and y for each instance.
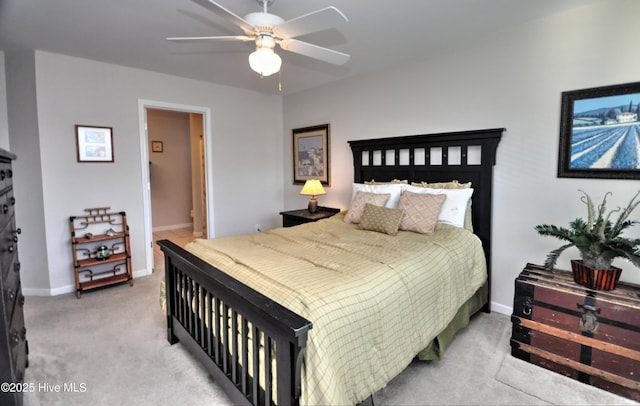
(311, 154)
(600, 133)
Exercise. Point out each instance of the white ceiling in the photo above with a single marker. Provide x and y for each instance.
(379, 34)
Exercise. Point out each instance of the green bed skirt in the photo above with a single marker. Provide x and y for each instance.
(435, 350)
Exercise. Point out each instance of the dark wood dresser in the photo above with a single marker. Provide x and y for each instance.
(591, 336)
(13, 334)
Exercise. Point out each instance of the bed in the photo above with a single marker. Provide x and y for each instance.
(292, 338)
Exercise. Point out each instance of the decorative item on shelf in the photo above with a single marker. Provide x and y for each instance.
(110, 232)
(599, 241)
(88, 236)
(312, 187)
(103, 252)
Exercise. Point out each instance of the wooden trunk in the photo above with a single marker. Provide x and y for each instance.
(591, 336)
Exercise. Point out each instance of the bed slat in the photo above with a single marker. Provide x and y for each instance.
(256, 365)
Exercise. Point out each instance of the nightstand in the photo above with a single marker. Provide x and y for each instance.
(297, 217)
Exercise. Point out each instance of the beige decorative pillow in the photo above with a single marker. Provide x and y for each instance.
(421, 211)
(380, 219)
(392, 182)
(359, 201)
(394, 190)
(454, 184)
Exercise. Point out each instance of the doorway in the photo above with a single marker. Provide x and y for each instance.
(174, 141)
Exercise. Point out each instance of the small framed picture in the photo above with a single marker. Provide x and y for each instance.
(599, 133)
(156, 146)
(94, 144)
(311, 154)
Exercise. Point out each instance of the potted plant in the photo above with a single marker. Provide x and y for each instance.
(599, 241)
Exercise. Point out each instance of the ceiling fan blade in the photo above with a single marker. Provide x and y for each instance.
(319, 20)
(314, 51)
(215, 38)
(228, 15)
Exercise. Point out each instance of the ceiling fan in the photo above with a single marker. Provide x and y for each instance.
(268, 30)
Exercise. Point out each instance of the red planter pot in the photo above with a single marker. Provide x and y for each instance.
(596, 279)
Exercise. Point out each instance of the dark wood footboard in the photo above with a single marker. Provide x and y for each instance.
(205, 306)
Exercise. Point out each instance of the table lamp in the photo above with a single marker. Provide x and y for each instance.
(312, 187)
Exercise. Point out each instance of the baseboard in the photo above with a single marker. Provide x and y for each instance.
(142, 272)
(63, 290)
(49, 292)
(172, 227)
(500, 308)
(37, 292)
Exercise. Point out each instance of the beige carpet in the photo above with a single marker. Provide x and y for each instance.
(110, 347)
(479, 370)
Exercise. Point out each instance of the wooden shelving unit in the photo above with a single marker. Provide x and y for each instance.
(101, 249)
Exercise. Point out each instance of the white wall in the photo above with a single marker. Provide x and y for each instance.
(77, 91)
(24, 137)
(4, 126)
(512, 80)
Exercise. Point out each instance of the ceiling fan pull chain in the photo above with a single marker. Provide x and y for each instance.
(280, 80)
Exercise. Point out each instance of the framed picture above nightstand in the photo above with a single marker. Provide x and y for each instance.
(297, 217)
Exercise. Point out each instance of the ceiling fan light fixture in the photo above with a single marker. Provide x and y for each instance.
(265, 62)
(269, 30)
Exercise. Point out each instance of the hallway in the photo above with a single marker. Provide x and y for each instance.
(181, 236)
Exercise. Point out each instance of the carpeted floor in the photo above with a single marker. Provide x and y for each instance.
(110, 347)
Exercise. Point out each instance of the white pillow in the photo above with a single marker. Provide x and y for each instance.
(395, 190)
(454, 208)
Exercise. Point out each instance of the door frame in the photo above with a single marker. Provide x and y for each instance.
(143, 105)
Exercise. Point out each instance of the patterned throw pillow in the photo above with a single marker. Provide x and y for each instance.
(454, 208)
(421, 211)
(380, 219)
(394, 190)
(360, 199)
(454, 184)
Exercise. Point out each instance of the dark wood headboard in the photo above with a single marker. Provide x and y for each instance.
(466, 156)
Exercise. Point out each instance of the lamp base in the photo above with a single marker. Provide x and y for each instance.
(313, 205)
